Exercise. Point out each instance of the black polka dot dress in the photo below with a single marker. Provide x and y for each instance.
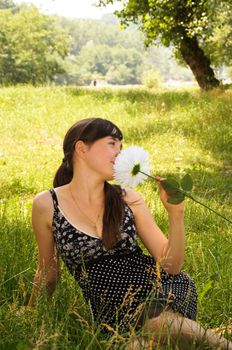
(122, 286)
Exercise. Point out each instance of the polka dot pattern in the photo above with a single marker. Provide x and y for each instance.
(118, 283)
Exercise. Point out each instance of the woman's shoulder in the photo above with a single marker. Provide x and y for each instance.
(133, 199)
(43, 200)
(130, 195)
(42, 210)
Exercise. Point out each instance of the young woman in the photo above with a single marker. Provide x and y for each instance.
(92, 225)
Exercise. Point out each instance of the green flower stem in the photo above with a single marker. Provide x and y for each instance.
(191, 197)
(204, 205)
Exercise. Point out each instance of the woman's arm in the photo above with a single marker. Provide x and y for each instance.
(169, 252)
(47, 272)
(175, 247)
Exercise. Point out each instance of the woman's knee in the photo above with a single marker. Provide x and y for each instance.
(162, 321)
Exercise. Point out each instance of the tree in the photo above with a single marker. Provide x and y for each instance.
(84, 31)
(125, 66)
(7, 4)
(151, 79)
(31, 46)
(117, 64)
(185, 24)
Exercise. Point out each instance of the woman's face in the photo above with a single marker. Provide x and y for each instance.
(100, 156)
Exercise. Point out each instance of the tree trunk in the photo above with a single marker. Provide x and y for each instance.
(199, 64)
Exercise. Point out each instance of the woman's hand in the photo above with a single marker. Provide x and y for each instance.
(172, 209)
(174, 250)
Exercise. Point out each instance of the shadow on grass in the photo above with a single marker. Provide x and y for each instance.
(211, 134)
(210, 127)
(137, 95)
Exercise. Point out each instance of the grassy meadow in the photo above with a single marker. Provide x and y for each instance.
(185, 131)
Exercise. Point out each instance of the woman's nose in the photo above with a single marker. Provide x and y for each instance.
(118, 150)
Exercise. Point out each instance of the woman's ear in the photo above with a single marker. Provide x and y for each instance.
(80, 148)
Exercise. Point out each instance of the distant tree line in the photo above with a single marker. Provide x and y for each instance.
(38, 49)
(99, 50)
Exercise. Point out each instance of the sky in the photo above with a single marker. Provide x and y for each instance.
(71, 8)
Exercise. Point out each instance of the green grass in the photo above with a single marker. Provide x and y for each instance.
(184, 131)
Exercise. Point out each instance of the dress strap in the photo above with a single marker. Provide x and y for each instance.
(54, 197)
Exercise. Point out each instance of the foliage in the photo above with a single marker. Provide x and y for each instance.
(86, 32)
(161, 59)
(34, 50)
(118, 65)
(170, 20)
(119, 56)
(176, 190)
(184, 24)
(37, 50)
(219, 45)
(31, 47)
(7, 4)
(95, 49)
(102, 50)
(151, 79)
(230, 71)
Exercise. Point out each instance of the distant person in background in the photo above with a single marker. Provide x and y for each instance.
(92, 225)
(95, 82)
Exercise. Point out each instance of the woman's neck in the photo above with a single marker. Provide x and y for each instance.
(88, 189)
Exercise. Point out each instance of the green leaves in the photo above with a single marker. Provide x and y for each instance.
(176, 190)
(177, 198)
(186, 183)
(31, 50)
(182, 24)
(171, 186)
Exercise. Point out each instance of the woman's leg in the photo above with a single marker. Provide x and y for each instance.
(169, 325)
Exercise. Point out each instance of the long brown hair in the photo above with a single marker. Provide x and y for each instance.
(90, 130)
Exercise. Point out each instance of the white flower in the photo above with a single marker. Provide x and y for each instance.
(129, 164)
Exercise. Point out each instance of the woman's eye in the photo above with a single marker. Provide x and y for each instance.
(112, 143)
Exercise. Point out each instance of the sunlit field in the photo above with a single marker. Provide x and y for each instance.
(185, 131)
